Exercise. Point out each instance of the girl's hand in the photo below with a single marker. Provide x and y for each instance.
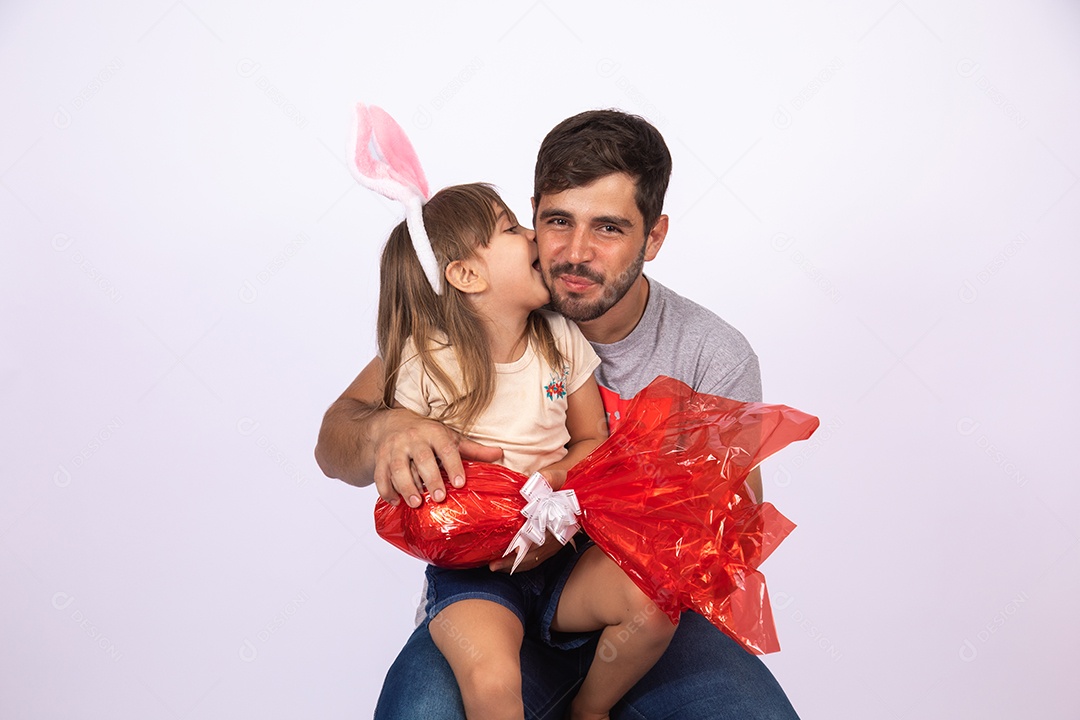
(556, 477)
(537, 555)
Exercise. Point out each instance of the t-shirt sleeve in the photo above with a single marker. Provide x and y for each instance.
(412, 387)
(581, 359)
(742, 382)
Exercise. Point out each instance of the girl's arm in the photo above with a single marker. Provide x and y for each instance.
(587, 425)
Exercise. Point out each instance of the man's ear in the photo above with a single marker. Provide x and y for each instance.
(533, 199)
(656, 237)
(462, 275)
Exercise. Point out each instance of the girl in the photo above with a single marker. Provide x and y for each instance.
(478, 354)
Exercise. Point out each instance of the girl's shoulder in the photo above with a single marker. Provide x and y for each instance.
(561, 328)
(569, 339)
(555, 321)
(436, 346)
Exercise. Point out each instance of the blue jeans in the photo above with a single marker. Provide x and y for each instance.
(704, 674)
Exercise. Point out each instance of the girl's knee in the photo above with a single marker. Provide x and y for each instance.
(659, 626)
(645, 617)
(491, 678)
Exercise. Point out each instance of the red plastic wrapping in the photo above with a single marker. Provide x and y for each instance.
(663, 497)
(470, 528)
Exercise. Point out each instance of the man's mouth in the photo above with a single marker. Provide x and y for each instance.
(576, 283)
(576, 278)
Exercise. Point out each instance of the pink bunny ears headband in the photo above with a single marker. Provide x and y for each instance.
(382, 159)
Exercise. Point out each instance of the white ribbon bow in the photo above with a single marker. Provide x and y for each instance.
(546, 510)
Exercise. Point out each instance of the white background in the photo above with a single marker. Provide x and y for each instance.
(883, 196)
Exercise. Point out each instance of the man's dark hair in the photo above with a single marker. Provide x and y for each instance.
(595, 143)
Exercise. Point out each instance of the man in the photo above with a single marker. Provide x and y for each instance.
(599, 187)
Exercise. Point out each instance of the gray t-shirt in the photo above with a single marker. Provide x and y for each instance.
(681, 339)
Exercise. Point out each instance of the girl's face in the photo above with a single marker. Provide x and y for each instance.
(512, 265)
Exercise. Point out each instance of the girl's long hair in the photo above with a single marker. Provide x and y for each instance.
(459, 219)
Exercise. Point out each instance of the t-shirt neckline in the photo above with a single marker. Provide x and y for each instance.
(647, 319)
(521, 362)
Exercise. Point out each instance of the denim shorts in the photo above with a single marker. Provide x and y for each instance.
(532, 595)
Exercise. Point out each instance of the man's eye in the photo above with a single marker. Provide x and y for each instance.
(610, 229)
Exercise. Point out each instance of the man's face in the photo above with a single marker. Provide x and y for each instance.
(593, 244)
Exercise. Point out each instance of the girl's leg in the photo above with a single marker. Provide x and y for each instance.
(482, 642)
(598, 594)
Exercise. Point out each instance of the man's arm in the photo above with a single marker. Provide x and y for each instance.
(343, 448)
(743, 383)
(753, 481)
(361, 442)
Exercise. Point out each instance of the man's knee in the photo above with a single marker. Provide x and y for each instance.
(420, 684)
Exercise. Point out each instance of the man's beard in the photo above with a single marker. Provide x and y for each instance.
(580, 310)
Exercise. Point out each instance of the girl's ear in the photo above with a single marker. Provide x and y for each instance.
(465, 277)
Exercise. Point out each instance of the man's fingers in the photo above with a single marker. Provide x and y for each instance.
(385, 486)
(470, 450)
(427, 471)
(384, 483)
(410, 457)
(404, 482)
(450, 460)
(404, 472)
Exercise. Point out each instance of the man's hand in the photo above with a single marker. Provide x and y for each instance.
(361, 441)
(410, 451)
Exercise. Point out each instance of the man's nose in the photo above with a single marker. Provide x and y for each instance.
(579, 246)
